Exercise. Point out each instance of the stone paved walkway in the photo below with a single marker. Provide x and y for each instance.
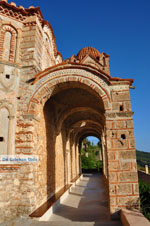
(87, 202)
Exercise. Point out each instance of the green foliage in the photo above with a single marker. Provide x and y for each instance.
(89, 155)
(143, 158)
(144, 190)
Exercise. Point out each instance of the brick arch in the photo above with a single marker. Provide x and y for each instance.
(49, 31)
(85, 131)
(46, 85)
(49, 36)
(96, 126)
(74, 110)
(11, 117)
(13, 41)
(86, 134)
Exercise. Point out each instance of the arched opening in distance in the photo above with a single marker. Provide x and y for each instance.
(91, 155)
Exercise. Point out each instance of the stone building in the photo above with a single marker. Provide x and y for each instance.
(48, 106)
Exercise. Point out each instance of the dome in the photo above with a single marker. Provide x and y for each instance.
(88, 51)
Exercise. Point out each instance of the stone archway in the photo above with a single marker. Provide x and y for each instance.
(79, 100)
(66, 113)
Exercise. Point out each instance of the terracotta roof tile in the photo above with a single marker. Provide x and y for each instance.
(94, 53)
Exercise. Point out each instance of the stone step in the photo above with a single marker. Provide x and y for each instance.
(75, 223)
(29, 222)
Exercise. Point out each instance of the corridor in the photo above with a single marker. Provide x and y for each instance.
(87, 202)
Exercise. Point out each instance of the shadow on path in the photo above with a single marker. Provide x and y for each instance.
(86, 202)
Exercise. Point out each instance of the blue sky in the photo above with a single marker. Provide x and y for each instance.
(120, 28)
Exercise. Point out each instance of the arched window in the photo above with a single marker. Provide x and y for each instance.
(7, 45)
(8, 42)
(4, 130)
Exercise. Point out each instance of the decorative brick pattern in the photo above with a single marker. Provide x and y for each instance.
(10, 56)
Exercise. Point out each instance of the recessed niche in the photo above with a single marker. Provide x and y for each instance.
(123, 136)
(121, 107)
(1, 139)
(7, 76)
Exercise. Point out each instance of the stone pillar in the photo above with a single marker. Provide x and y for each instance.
(146, 169)
(68, 165)
(122, 167)
(80, 164)
(104, 156)
(10, 135)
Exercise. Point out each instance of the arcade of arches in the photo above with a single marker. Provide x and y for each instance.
(50, 106)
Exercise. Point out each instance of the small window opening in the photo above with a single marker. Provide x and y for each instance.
(121, 107)
(97, 58)
(123, 136)
(1, 139)
(8, 76)
(18, 98)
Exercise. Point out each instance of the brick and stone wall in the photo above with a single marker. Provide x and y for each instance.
(49, 106)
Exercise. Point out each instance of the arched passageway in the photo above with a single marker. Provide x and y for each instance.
(69, 103)
(72, 112)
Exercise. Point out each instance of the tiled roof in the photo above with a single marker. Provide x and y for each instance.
(94, 53)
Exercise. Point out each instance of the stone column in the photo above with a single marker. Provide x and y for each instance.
(10, 135)
(122, 167)
(104, 156)
(68, 165)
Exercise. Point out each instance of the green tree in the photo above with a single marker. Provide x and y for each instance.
(89, 155)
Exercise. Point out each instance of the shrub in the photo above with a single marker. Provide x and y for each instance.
(144, 190)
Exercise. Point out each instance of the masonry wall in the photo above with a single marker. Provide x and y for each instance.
(122, 166)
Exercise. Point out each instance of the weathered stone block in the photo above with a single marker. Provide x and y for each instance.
(120, 125)
(124, 189)
(110, 155)
(112, 189)
(120, 96)
(113, 166)
(131, 143)
(129, 123)
(127, 154)
(124, 165)
(120, 144)
(128, 177)
(112, 177)
(127, 106)
(136, 188)
(115, 106)
(108, 125)
(128, 201)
